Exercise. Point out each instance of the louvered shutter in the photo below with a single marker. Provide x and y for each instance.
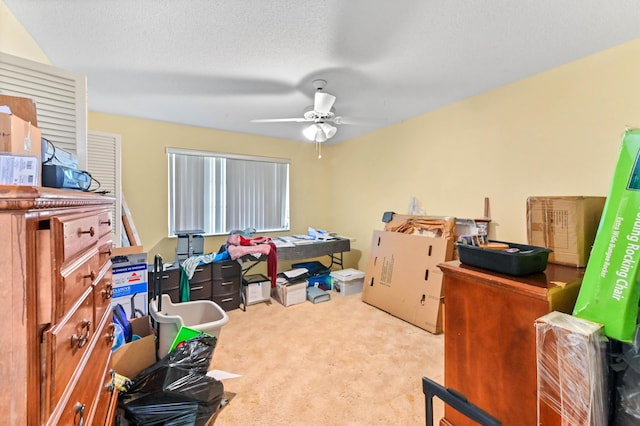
(60, 97)
(103, 162)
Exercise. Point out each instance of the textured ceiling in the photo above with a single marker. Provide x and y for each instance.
(220, 64)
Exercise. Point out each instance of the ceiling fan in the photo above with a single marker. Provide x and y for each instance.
(321, 115)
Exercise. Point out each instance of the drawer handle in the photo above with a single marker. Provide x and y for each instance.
(79, 409)
(165, 277)
(91, 232)
(111, 336)
(82, 340)
(197, 288)
(198, 270)
(91, 275)
(106, 222)
(107, 292)
(108, 252)
(227, 283)
(226, 266)
(229, 299)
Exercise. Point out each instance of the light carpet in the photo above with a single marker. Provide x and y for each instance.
(341, 362)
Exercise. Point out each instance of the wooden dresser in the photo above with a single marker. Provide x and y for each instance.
(55, 287)
(490, 337)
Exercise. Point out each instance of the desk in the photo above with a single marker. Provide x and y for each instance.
(307, 250)
(316, 248)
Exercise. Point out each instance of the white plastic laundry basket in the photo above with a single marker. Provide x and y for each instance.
(203, 315)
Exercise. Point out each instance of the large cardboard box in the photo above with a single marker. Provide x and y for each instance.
(566, 225)
(130, 284)
(403, 279)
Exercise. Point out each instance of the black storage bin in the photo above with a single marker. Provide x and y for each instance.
(518, 259)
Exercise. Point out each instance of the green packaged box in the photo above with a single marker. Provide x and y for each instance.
(610, 292)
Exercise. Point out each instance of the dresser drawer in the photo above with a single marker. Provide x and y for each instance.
(76, 280)
(201, 274)
(225, 286)
(225, 269)
(104, 249)
(86, 402)
(66, 343)
(200, 291)
(77, 233)
(228, 302)
(104, 223)
(103, 291)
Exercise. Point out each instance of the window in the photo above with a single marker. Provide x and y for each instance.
(218, 193)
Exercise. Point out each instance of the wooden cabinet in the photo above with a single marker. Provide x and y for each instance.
(55, 288)
(226, 284)
(218, 281)
(490, 338)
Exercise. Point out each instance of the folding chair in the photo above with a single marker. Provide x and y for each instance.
(455, 400)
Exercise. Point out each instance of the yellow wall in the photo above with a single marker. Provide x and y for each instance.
(145, 174)
(556, 133)
(15, 40)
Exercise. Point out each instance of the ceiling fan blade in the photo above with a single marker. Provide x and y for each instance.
(280, 120)
(323, 102)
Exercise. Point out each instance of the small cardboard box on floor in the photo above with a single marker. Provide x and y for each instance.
(133, 357)
(403, 279)
(566, 225)
(290, 293)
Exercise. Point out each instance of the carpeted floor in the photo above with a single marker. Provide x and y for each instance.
(340, 362)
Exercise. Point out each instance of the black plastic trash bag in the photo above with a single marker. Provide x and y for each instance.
(175, 390)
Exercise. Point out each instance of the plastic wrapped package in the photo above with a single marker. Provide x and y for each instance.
(176, 389)
(571, 367)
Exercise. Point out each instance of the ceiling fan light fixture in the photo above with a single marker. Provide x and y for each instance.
(328, 130)
(319, 132)
(310, 132)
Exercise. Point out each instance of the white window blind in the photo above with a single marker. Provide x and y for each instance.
(104, 164)
(217, 193)
(60, 97)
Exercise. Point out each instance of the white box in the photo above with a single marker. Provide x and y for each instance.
(348, 281)
(130, 284)
(257, 288)
(290, 293)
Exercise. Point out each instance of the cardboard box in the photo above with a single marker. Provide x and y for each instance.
(19, 170)
(571, 370)
(347, 281)
(290, 293)
(257, 289)
(18, 136)
(133, 357)
(566, 225)
(130, 284)
(402, 277)
(24, 108)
